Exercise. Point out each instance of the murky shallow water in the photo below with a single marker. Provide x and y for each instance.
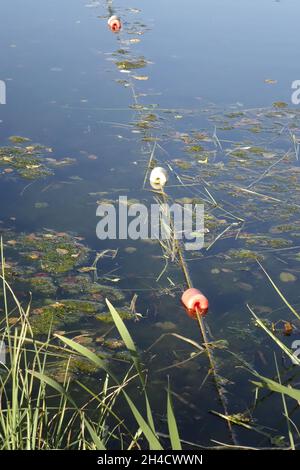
(206, 94)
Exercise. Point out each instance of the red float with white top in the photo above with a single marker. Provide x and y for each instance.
(114, 24)
(195, 302)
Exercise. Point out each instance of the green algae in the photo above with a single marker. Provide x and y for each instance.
(71, 367)
(234, 115)
(107, 318)
(113, 294)
(111, 343)
(29, 162)
(84, 366)
(54, 254)
(151, 117)
(44, 324)
(280, 105)
(131, 64)
(143, 125)
(239, 153)
(25, 163)
(56, 315)
(265, 241)
(194, 149)
(257, 150)
(42, 285)
(80, 284)
(60, 296)
(182, 164)
(123, 356)
(17, 139)
(255, 129)
(242, 254)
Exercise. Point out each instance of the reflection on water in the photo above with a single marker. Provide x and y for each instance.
(191, 89)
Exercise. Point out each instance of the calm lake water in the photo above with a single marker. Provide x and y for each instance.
(211, 83)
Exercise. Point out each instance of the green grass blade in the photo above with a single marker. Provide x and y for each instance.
(146, 429)
(285, 408)
(276, 387)
(122, 329)
(172, 425)
(282, 346)
(126, 337)
(83, 351)
(97, 441)
(52, 383)
(280, 293)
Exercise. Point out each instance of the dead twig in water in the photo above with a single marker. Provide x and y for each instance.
(234, 224)
(149, 164)
(265, 173)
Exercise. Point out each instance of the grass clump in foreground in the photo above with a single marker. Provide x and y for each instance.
(39, 413)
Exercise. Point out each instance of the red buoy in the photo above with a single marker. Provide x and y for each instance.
(194, 301)
(114, 24)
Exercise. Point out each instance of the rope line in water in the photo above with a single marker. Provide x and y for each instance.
(189, 283)
(206, 342)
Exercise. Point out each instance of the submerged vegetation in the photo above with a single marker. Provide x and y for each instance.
(74, 377)
(54, 267)
(29, 161)
(34, 370)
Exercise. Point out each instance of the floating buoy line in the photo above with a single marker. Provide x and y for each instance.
(196, 305)
(114, 22)
(193, 300)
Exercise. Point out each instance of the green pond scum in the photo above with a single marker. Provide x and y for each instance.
(48, 265)
(29, 161)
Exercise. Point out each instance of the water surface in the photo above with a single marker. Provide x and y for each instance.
(214, 70)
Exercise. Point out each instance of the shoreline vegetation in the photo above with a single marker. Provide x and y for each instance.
(40, 413)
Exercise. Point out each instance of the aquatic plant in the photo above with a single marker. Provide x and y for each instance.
(35, 369)
(30, 421)
(29, 161)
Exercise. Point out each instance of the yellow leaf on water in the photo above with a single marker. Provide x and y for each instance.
(203, 162)
(32, 167)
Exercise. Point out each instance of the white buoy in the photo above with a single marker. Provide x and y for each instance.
(111, 18)
(158, 177)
